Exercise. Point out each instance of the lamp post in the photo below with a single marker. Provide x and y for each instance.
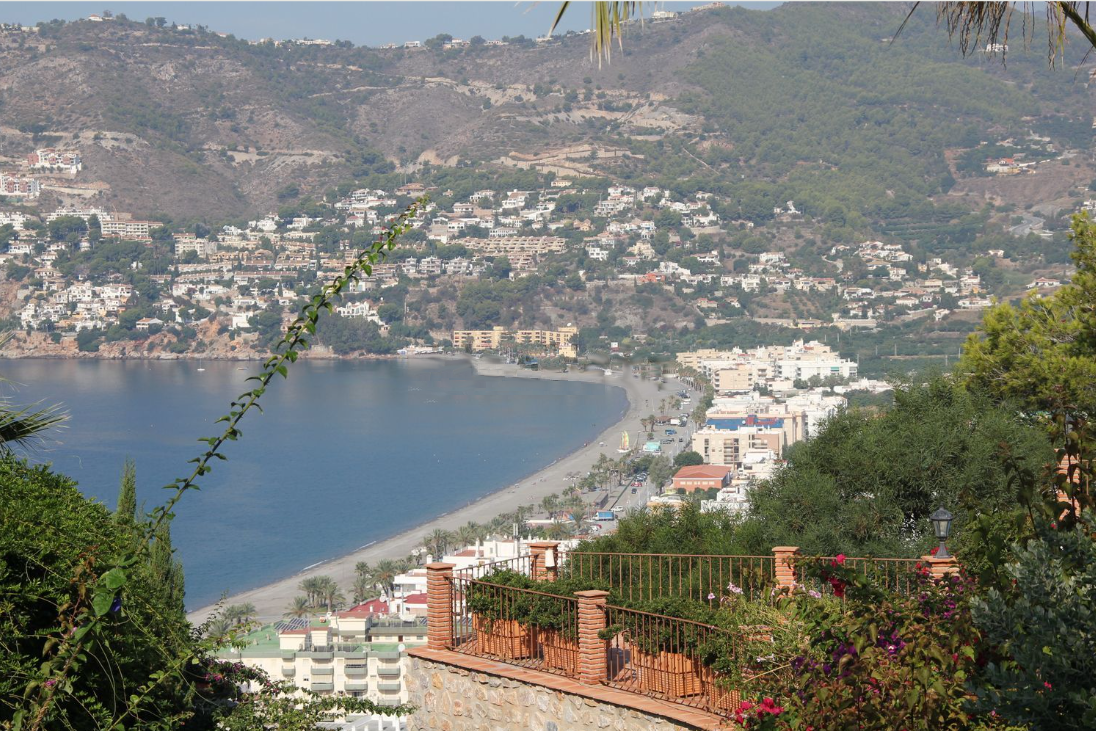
(941, 526)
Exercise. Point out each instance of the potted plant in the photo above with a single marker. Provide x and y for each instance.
(556, 622)
(664, 652)
(501, 618)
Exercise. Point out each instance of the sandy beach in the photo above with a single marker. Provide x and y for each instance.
(643, 396)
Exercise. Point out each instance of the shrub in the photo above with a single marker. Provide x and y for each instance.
(1043, 626)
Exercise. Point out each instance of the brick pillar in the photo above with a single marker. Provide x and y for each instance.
(941, 567)
(785, 570)
(439, 605)
(592, 665)
(538, 551)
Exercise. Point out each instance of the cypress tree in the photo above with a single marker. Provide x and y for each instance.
(167, 572)
(127, 495)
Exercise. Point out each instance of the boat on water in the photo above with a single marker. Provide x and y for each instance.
(625, 444)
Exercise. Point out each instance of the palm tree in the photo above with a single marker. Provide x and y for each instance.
(385, 576)
(219, 627)
(312, 586)
(239, 613)
(301, 607)
(465, 535)
(549, 504)
(363, 588)
(361, 568)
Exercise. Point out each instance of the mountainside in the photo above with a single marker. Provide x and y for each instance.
(809, 102)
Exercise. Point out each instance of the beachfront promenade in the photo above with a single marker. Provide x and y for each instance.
(272, 600)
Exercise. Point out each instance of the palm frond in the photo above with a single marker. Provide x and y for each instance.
(607, 25)
(24, 426)
(977, 24)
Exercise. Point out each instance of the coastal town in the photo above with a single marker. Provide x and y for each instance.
(710, 368)
(252, 278)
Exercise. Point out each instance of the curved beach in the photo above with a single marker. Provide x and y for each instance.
(272, 599)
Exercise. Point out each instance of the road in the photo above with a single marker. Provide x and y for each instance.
(622, 496)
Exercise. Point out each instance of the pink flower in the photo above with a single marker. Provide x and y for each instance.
(51, 682)
(711, 596)
(839, 559)
(1047, 685)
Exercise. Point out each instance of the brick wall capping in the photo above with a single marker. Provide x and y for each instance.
(438, 566)
(543, 544)
(592, 594)
(786, 549)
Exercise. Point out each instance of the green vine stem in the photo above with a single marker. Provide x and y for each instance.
(81, 625)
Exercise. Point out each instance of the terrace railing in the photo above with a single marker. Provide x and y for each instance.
(585, 638)
(520, 627)
(670, 659)
(637, 576)
(520, 564)
(899, 575)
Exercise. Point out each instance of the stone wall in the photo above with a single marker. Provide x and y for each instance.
(450, 698)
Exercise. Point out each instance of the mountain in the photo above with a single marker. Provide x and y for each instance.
(809, 102)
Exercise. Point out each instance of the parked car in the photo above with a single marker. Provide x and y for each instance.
(634, 490)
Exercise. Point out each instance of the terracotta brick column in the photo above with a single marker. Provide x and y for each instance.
(439, 605)
(538, 552)
(592, 665)
(941, 567)
(785, 570)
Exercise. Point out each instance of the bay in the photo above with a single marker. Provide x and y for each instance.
(346, 453)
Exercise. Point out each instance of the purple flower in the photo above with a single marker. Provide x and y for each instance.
(51, 682)
(711, 596)
(116, 605)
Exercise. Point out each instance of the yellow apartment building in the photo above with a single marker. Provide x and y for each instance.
(561, 340)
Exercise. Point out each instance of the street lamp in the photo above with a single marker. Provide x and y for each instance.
(941, 526)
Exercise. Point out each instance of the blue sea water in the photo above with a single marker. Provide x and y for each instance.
(346, 452)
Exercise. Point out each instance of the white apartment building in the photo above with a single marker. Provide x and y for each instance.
(361, 652)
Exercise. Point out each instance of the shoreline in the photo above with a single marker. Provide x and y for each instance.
(271, 599)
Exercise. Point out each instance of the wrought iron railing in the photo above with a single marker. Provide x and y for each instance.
(672, 659)
(521, 627)
(900, 575)
(520, 564)
(638, 576)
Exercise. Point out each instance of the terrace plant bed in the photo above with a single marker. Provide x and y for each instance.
(504, 638)
(673, 674)
(559, 651)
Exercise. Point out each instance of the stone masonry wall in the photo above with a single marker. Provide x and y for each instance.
(454, 699)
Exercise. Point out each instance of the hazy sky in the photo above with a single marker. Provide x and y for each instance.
(364, 23)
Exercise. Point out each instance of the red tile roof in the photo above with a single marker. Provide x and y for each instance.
(702, 472)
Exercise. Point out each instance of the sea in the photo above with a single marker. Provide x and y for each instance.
(345, 453)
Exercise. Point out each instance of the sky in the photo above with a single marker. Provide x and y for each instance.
(363, 23)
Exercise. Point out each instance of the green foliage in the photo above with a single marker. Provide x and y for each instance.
(1042, 352)
(688, 458)
(878, 660)
(866, 484)
(126, 512)
(67, 228)
(1042, 623)
(53, 543)
(349, 335)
